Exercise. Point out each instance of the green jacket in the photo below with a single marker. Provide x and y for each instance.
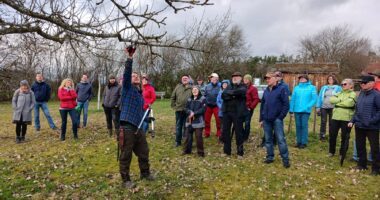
(344, 105)
(179, 97)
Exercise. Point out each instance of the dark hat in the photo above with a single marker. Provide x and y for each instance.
(236, 74)
(366, 79)
(303, 76)
(111, 77)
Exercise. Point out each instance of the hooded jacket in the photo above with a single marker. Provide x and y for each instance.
(321, 96)
(211, 93)
(344, 105)
(23, 104)
(303, 98)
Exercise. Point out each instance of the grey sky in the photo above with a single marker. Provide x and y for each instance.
(273, 27)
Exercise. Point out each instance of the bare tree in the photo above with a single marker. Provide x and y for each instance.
(88, 21)
(337, 44)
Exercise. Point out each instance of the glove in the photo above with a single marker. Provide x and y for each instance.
(130, 50)
(78, 108)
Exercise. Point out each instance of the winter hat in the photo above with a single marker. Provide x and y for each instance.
(303, 76)
(226, 81)
(236, 74)
(366, 79)
(248, 77)
(111, 76)
(24, 83)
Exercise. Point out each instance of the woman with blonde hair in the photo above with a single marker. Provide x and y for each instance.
(67, 97)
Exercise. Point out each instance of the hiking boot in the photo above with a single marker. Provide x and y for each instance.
(267, 161)
(286, 164)
(18, 140)
(149, 177)
(302, 146)
(22, 139)
(128, 185)
(177, 144)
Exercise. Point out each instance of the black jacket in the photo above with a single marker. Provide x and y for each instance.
(234, 99)
(42, 91)
(367, 111)
(111, 96)
(198, 106)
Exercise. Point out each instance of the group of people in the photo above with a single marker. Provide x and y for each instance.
(233, 103)
(72, 101)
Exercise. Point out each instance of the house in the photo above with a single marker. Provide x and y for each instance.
(317, 72)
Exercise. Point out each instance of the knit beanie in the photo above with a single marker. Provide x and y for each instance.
(24, 83)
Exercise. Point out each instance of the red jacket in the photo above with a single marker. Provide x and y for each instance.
(252, 97)
(377, 85)
(149, 95)
(67, 98)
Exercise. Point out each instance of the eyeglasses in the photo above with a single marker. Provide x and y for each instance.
(344, 84)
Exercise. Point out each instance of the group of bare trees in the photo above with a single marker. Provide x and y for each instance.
(70, 38)
(337, 45)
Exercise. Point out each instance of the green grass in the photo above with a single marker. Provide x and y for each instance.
(45, 167)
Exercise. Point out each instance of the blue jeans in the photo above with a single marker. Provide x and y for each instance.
(145, 124)
(302, 127)
(180, 119)
(84, 106)
(355, 154)
(277, 127)
(45, 110)
(73, 115)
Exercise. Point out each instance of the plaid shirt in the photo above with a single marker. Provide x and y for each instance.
(131, 99)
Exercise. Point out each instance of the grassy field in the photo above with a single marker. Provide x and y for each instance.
(46, 168)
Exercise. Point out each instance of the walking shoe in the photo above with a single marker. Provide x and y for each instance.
(360, 168)
(297, 145)
(22, 139)
(330, 155)
(177, 144)
(201, 154)
(302, 146)
(38, 129)
(128, 184)
(149, 177)
(240, 157)
(375, 173)
(267, 161)
(286, 164)
(18, 140)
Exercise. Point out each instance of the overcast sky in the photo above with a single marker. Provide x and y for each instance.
(273, 27)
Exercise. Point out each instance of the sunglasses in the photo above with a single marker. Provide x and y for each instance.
(344, 84)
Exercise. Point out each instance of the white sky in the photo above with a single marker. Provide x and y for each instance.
(273, 27)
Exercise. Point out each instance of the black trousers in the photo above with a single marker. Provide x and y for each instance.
(21, 128)
(345, 135)
(326, 113)
(137, 144)
(230, 119)
(112, 115)
(373, 138)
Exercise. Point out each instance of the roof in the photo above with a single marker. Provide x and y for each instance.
(372, 67)
(310, 68)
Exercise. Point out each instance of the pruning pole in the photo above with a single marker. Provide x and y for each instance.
(99, 89)
(315, 110)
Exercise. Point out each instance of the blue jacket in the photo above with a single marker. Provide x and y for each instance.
(303, 98)
(211, 93)
(286, 86)
(321, 96)
(219, 100)
(367, 111)
(132, 101)
(42, 91)
(84, 91)
(274, 104)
